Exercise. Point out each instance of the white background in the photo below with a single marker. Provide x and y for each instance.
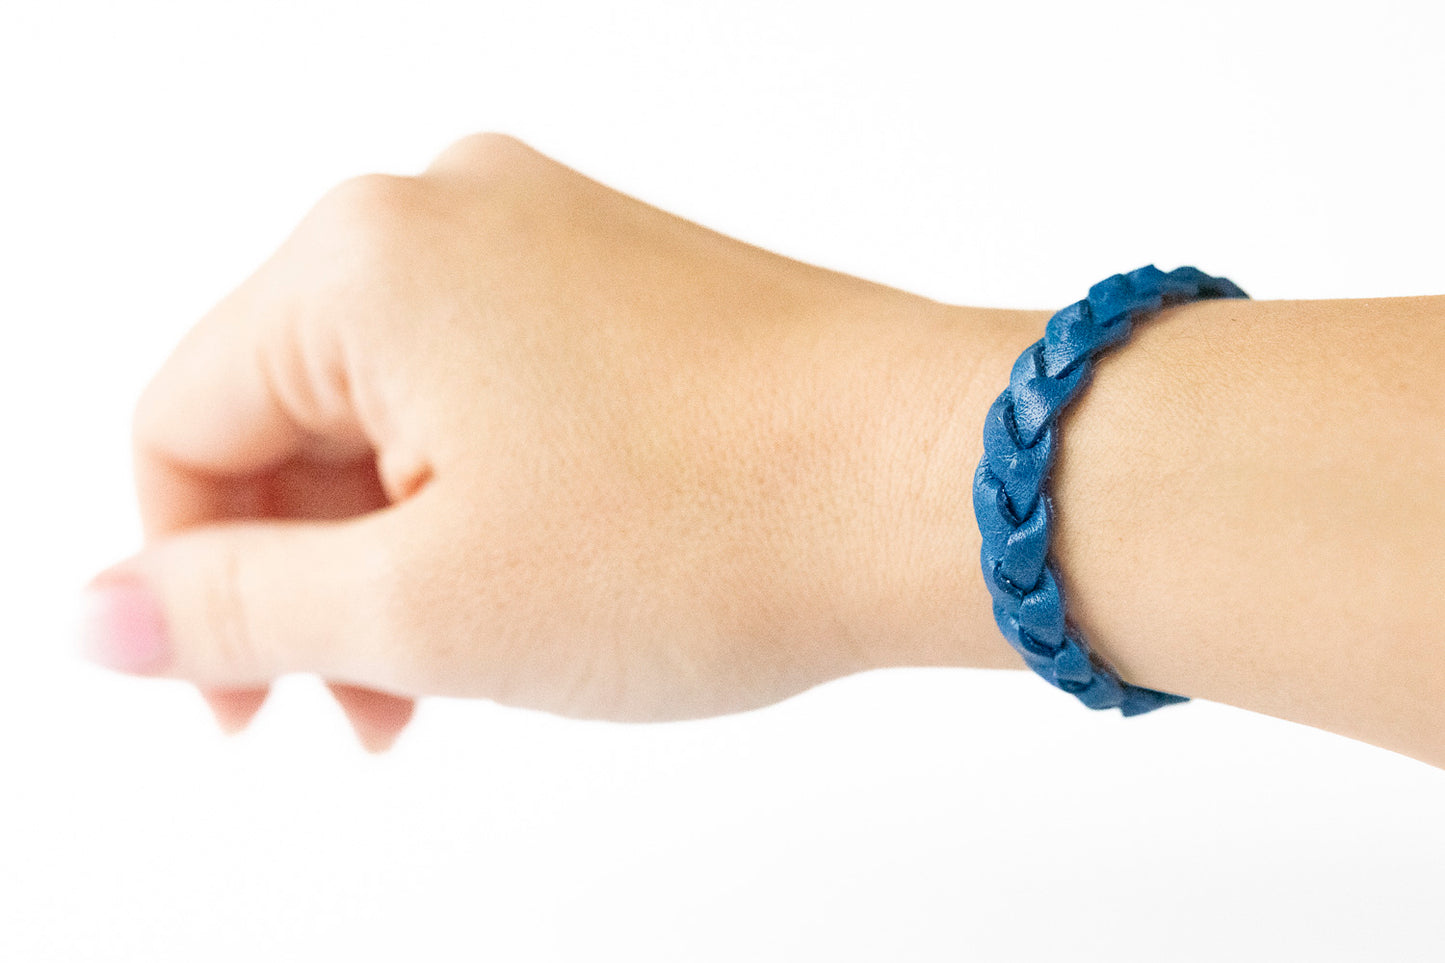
(993, 154)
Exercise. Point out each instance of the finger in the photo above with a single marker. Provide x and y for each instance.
(179, 487)
(295, 490)
(217, 438)
(239, 604)
(235, 708)
(174, 497)
(377, 717)
(241, 399)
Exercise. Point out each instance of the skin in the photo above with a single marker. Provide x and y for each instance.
(498, 431)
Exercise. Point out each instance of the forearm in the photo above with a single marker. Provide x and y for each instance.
(1250, 503)
(1250, 509)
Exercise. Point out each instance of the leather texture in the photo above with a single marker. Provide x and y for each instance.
(1010, 497)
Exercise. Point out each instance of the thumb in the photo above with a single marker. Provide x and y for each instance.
(239, 604)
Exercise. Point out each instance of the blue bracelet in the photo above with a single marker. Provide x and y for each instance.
(1010, 501)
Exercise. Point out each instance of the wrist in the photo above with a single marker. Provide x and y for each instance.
(900, 583)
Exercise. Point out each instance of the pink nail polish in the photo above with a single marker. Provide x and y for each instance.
(122, 626)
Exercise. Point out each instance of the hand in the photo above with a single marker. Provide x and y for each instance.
(499, 431)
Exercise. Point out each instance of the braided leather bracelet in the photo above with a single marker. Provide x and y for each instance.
(1013, 508)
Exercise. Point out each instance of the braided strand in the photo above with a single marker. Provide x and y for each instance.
(1010, 497)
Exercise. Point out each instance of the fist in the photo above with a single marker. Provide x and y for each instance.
(498, 431)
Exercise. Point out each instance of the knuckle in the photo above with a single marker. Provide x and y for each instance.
(373, 209)
(224, 615)
(369, 193)
(483, 154)
(367, 229)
